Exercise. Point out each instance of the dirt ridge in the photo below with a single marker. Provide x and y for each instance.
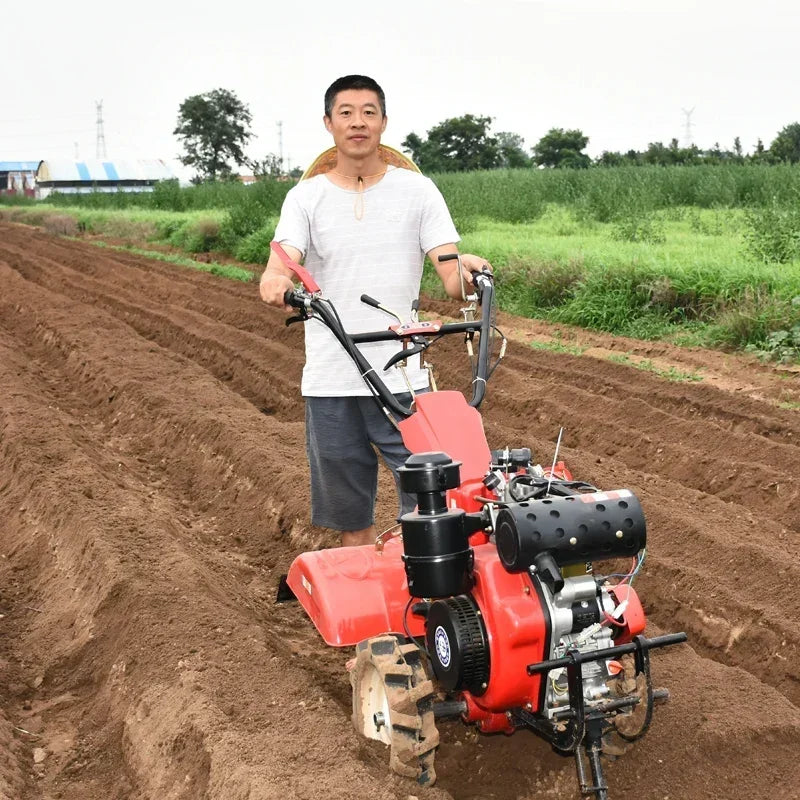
(153, 487)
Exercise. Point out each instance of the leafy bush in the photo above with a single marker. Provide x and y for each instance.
(168, 196)
(465, 223)
(525, 288)
(60, 224)
(254, 249)
(666, 298)
(780, 346)
(636, 227)
(243, 219)
(201, 236)
(16, 200)
(773, 232)
(758, 321)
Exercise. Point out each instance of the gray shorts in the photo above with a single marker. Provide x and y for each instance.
(340, 434)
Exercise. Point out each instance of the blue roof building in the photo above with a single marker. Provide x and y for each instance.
(73, 177)
(18, 177)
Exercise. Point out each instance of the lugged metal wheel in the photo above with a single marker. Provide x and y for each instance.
(393, 703)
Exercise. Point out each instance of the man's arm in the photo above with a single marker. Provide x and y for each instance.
(277, 278)
(448, 270)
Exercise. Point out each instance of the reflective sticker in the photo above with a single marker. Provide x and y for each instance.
(595, 497)
(442, 644)
(306, 583)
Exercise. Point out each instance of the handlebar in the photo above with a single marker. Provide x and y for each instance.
(310, 303)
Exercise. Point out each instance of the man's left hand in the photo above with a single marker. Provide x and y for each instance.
(473, 263)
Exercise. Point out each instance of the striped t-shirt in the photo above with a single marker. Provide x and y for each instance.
(402, 217)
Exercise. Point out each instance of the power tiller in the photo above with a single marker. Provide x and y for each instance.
(484, 604)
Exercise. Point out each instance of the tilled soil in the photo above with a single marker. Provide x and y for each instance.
(153, 488)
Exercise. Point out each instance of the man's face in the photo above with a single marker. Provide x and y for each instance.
(356, 122)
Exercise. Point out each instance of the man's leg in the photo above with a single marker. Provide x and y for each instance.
(357, 538)
(387, 438)
(344, 468)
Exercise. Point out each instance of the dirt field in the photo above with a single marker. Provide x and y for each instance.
(153, 487)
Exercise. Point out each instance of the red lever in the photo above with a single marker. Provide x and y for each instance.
(309, 284)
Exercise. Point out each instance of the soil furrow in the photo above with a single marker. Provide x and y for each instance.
(147, 508)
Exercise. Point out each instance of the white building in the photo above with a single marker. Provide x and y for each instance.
(75, 177)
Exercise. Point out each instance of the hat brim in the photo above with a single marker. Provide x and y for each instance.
(327, 161)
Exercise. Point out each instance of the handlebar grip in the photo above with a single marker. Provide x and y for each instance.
(454, 256)
(370, 301)
(295, 298)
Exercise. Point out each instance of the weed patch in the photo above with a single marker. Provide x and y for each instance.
(772, 234)
(670, 374)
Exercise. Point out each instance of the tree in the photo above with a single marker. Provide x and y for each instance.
(459, 144)
(214, 128)
(610, 158)
(759, 155)
(560, 148)
(786, 145)
(511, 150)
(270, 166)
(658, 154)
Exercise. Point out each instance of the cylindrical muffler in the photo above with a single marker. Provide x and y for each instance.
(573, 529)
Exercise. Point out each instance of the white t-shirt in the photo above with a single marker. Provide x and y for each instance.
(403, 216)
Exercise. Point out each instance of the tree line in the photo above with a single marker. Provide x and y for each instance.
(214, 129)
(466, 143)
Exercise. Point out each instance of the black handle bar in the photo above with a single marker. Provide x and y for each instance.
(324, 311)
(638, 644)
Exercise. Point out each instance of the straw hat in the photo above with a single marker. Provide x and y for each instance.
(327, 161)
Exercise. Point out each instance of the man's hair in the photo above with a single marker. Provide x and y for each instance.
(352, 82)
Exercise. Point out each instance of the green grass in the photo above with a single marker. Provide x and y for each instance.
(602, 194)
(671, 374)
(243, 233)
(223, 270)
(698, 283)
(559, 347)
(706, 256)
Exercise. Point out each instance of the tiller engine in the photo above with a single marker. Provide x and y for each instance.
(484, 604)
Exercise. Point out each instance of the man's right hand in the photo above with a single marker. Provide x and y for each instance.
(272, 288)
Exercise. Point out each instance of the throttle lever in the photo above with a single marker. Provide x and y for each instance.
(406, 353)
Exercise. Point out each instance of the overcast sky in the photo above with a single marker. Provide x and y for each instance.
(622, 71)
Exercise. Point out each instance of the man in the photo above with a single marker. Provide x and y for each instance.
(364, 227)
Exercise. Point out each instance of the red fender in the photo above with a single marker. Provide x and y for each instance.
(354, 593)
(445, 423)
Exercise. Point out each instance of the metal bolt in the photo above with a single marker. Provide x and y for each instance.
(379, 719)
(529, 706)
(573, 541)
(619, 534)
